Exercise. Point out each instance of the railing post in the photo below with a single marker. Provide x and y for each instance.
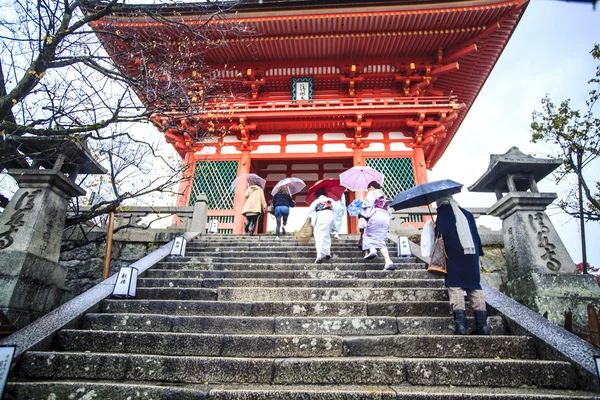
(200, 215)
(593, 322)
(109, 236)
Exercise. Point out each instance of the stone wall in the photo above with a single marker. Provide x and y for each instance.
(85, 262)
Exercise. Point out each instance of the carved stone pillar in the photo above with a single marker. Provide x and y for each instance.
(541, 273)
(31, 228)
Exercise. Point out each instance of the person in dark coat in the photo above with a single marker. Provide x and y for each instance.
(282, 202)
(463, 248)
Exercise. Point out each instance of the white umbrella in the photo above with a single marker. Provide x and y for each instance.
(250, 179)
(293, 185)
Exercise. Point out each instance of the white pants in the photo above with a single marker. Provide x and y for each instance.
(322, 231)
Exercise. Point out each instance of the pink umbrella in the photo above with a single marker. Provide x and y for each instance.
(332, 186)
(358, 178)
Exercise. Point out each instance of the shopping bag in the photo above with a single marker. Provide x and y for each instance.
(305, 233)
(362, 223)
(427, 238)
(437, 261)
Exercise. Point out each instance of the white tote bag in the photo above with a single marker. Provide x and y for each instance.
(427, 239)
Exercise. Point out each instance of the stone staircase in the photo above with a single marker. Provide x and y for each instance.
(254, 318)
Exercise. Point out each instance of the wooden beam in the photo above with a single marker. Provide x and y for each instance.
(446, 68)
(459, 53)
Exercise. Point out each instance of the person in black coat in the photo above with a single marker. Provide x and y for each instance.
(463, 248)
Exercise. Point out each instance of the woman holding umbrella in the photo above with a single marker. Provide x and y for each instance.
(282, 202)
(255, 204)
(323, 212)
(379, 217)
(463, 248)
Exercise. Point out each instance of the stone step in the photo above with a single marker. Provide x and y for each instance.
(329, 265)
(332, 294)
(278, 258)
(279, 308)
(337, 370)
(73, 389)
(266, 282)
(280, 253)
(293, 294)
(279, 245)
(285, 346)
(176, 293)
(343, 326)
(290, 274)
(264, 238)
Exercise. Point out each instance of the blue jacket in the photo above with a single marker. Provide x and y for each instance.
(462, 269)
(283, 200)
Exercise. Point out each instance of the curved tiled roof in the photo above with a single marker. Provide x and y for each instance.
(382, 39)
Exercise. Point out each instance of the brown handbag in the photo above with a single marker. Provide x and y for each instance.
(305, 233)
(437, 261)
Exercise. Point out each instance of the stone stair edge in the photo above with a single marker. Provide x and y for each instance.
(160, 391)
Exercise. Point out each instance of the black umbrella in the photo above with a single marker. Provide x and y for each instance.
(425, 194)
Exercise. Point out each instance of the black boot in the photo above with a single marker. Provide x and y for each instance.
(481, 327)
(459, 320)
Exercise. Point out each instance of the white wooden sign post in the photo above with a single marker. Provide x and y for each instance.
(126, 283)
(403, 247)
(178, 248)
(6, 356)
(213, 226)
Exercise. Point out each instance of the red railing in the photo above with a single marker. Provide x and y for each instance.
(329, 104)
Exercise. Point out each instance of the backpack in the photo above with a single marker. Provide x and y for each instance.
(382, 202)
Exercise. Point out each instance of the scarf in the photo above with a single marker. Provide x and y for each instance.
(462, 225)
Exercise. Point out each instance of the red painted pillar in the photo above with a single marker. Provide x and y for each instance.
(420, 170)
(357, 159)
(240, 189)
(419, 166)
(185, 186)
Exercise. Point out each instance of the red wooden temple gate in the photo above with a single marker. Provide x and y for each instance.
(321, 86)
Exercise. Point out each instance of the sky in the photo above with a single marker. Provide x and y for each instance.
(549, 53)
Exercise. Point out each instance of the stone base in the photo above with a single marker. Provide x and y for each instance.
(557, 294)
(30, 287)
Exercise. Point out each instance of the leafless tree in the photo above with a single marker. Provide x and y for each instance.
(58, 77)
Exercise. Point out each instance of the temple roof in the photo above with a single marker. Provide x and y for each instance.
(384, 39)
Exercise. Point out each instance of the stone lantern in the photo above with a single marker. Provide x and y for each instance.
(541, 274)
(32, 224)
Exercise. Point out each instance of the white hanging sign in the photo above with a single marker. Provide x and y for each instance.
(6, 357)
(126, 283)
(178, 248)
(403, 247)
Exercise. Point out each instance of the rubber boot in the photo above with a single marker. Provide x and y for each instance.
(481, 327)
(459, 320)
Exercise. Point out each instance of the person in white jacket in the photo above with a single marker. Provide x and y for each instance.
(322, 212)
(376, 212)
